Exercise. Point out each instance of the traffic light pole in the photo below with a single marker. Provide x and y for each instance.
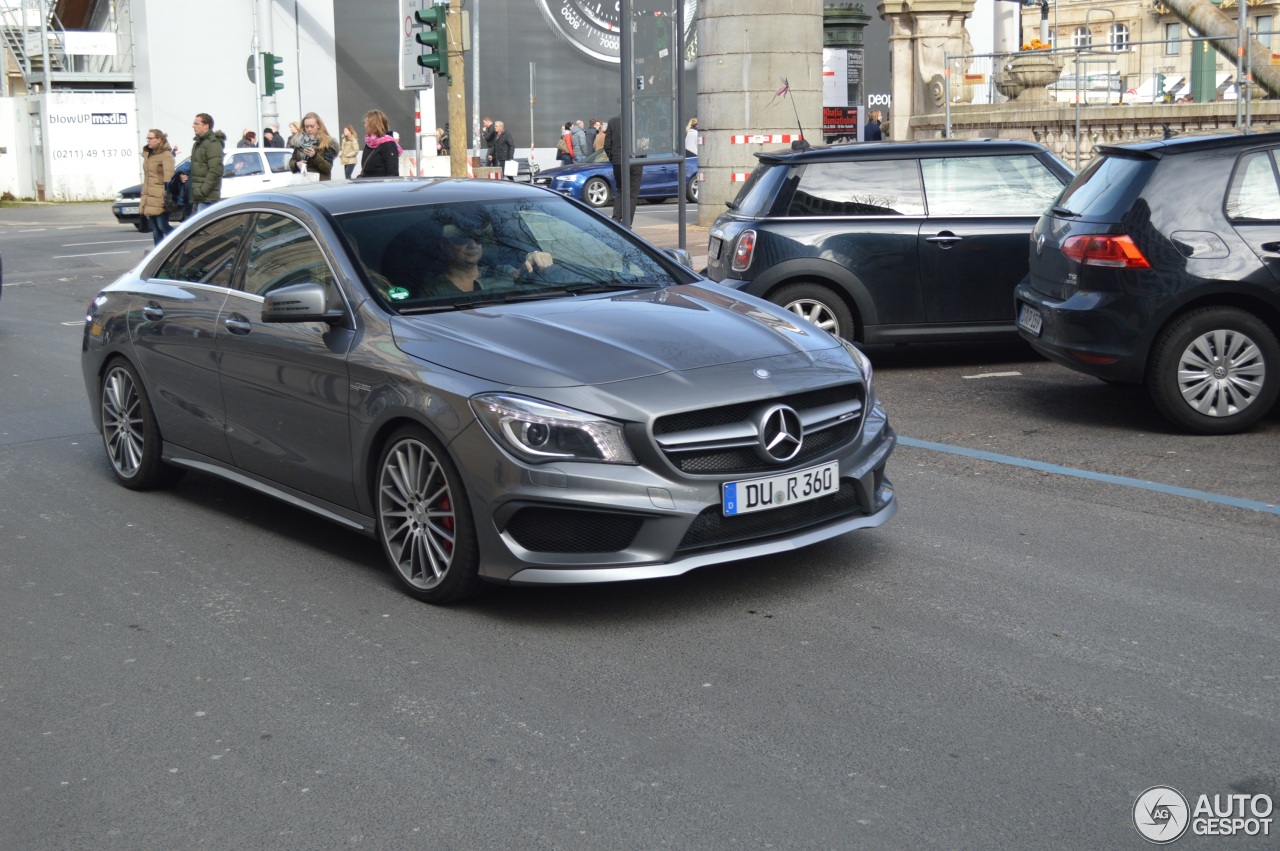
(269, 112)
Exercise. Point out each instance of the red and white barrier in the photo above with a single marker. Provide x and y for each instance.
(766, 139)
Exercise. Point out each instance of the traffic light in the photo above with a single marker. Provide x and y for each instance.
(434, 36)
(270, 71)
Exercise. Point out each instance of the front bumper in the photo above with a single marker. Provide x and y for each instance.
(127, 213)
(590, 523)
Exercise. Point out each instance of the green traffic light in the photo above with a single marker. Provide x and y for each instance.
(438, 59)
(270, 72)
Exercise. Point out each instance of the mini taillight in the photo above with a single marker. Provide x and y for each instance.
(742, 252)
(1115, 252)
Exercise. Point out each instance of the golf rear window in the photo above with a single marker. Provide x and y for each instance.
(1106, 189)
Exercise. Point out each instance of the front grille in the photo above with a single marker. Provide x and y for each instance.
(559, 530)
(730, 444)
(712, 529)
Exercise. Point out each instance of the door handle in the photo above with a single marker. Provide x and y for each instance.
(946, 238)
(1272, 247)
(237, 324)
(154, 312)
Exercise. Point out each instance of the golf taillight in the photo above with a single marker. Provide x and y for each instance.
(742, 251)
(1114, 252)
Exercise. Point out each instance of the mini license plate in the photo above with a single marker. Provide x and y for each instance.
(1029, 319)
(776, 491)
(713, 248)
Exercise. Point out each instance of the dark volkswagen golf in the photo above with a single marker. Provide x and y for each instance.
(495, 381)
(889, 242)
(1160, 265)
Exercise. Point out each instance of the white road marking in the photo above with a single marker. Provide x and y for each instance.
(108, 242)
(99, 254)
(991, 375)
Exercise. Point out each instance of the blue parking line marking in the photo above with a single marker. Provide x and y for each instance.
(1235, 501)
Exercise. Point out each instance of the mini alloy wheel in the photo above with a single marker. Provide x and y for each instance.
(817, 304)
(424, 521)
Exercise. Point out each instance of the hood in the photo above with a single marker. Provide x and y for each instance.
(598, 339)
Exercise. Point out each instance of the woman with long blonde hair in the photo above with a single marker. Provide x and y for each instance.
(157, 171)
(315, 147)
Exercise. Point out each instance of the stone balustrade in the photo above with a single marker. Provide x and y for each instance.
(1054, 125)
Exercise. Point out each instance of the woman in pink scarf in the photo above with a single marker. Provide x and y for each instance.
(381, 156)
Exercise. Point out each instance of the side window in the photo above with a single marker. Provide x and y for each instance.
(867, 188)
(1018, 185)
(279, 160)
(282, 252)
(242, 164)
(1255, 193)
(208, 256)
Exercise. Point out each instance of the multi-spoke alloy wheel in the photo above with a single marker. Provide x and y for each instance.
(424, 521)
(1210, 370)
(596, 192)
(817, 304)
(129, 431)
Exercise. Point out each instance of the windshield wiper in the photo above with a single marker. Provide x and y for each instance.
(604, 287)
(467, 304)
(1059, 210)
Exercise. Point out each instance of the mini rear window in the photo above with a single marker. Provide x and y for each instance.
(756, 195)
(1107, 188)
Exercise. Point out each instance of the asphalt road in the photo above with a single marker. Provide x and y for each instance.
(1009, 663)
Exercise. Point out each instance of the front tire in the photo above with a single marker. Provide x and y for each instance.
(1215, 370)
(424, 519)
(817, 304)
(691, 192)
(130, 433)
(596, 192)
(142, 226)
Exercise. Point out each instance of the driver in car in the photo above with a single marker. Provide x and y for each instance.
(462, 251)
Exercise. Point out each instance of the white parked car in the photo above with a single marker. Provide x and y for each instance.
(243, 170)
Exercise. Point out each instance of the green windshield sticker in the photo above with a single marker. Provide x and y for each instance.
(398, 293)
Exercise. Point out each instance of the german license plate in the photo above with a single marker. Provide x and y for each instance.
(128, 211)
(1029, 319)
(776, 491)
(713, 248)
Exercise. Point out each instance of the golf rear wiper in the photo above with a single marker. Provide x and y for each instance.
(1059, 210)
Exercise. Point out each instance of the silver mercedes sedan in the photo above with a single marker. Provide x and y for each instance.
(493, 380)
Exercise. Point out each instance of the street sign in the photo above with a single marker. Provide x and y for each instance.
(412, 75)
(251, 68)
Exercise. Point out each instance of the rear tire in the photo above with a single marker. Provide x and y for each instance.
(597, 193)
(817, 304)
(424, 519)
(129, 431)
(691, 191)
(1215, 370)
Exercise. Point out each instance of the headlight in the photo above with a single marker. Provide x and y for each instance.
(863, 362)
(119, 199)
(538, 432)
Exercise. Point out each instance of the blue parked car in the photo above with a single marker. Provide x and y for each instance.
(591, 181)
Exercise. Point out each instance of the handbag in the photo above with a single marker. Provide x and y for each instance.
(170, 205)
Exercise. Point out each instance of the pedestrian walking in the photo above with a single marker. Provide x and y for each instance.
(157, 171)
(691, 137)
(248, 139)
(871, 131)
(349, 151)
(294, 132)
(381, 157)
(564, 146)
(613, 147)
(206, 162)
(316, 149)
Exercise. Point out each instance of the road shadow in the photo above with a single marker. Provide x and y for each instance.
(927, 355)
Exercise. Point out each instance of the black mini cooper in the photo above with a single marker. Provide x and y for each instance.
(889, 242)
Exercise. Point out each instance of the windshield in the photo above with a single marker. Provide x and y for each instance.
(454, 256)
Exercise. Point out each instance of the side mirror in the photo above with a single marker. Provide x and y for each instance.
(681, 256)
(307, 302)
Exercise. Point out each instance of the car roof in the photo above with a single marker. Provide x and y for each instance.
(339, 197)
(1191, 143)
(897, 150)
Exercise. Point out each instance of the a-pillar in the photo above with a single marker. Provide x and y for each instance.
(921, 34)
(746, 49)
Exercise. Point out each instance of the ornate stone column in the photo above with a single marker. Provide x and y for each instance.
(921, 34)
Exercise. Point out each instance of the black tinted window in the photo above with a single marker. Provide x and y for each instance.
(1255, 191)
(869, 188)
(208, 256)
(755, 198)
(1107, 187)
(282, 252)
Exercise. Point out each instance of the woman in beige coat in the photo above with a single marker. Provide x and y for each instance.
(157, 171)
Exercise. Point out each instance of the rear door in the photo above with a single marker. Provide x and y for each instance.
(1253, 205)
(974, 245)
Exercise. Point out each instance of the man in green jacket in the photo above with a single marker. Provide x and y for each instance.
(206, 162)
